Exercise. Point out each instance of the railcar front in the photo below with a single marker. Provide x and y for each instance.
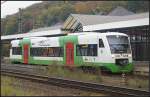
(121, 54)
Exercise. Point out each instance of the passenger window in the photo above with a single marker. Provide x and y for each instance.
(86, 50)
(47, 52)
(101, 44)
(16, 50)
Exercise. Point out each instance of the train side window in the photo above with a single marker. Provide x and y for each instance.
(47, 52)
(61, 52)
(92, 50)
(101, 44)
(86, 50)
(16, 50)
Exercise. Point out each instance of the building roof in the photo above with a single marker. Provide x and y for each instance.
(120, 11)
(35, 34)
(101, 19)
(45, 31)
(118, 24)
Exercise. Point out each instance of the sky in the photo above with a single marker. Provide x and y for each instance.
(11, 7)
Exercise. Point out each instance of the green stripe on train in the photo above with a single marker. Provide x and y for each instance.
(21, 43)
(115, 68)
(78, 60)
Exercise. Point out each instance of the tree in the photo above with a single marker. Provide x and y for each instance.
(138, 6)
(81, 7)
(11, 26)
(28, 25)
(66, 10)
(133, 5)
(105, 7)
(3, 23)
(53, 15)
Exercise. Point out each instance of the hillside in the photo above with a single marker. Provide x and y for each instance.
(49, 13)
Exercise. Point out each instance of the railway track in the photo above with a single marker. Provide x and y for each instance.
(75, 84)
(43, 67)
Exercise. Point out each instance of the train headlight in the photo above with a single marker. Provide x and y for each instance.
(112, 56)
(130, 55)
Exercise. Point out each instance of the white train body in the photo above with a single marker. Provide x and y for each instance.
(110, 50)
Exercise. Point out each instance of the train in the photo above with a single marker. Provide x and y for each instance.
(109, 50)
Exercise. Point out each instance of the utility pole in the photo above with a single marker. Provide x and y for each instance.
(20, 21)
(35, 24)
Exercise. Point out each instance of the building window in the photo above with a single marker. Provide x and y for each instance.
(16, 51)
(101, 44)
(86, 50)
(47, 51)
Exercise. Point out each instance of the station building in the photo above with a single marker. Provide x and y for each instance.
(136, 26)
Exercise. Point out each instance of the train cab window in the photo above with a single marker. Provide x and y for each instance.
(16, 50)
(86, 50)
(101, 44)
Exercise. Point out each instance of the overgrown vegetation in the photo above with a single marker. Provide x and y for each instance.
(8, 90)
(50, 13)
(5, 50)
(18, 87)
(138, 83)
(78, 74)
(72, 73)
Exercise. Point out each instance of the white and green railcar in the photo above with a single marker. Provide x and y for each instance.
(111, 50)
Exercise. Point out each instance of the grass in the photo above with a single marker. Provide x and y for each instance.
(55, 70)
(138, 83)
(5, 60)
(7, 89)
(75, 74)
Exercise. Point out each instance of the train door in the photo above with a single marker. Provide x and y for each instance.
(25, 53)
(69, 54)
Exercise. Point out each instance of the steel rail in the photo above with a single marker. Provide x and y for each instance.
(76, 84)
(41, 69)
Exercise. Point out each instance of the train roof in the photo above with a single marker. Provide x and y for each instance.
(87, 34)
(79, 33)
(15, 42)
(98, 33)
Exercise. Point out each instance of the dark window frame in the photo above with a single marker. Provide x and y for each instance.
(47, 51)
(101, 43)
(86, 50)
(16, 50)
